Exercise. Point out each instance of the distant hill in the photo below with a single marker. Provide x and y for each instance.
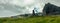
(26, 15)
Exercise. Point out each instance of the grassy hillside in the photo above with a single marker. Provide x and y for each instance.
(41, 19)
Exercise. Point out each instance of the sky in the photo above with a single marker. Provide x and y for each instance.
(16, 7)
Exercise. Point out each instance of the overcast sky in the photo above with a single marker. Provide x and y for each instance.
(13, 7)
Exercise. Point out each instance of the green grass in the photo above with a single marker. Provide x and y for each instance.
(41, 19)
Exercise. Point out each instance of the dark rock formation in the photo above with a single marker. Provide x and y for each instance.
(36, 14)
(50, 9)
(33, 12)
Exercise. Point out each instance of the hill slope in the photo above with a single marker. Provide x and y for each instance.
(45, 19)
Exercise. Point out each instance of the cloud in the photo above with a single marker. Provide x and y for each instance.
(24, 6)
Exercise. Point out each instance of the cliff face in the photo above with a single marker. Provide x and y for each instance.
(51, 9)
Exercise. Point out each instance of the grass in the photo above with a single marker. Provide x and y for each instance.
(41, 19)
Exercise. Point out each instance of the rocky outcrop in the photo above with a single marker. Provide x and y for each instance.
(50, 9)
